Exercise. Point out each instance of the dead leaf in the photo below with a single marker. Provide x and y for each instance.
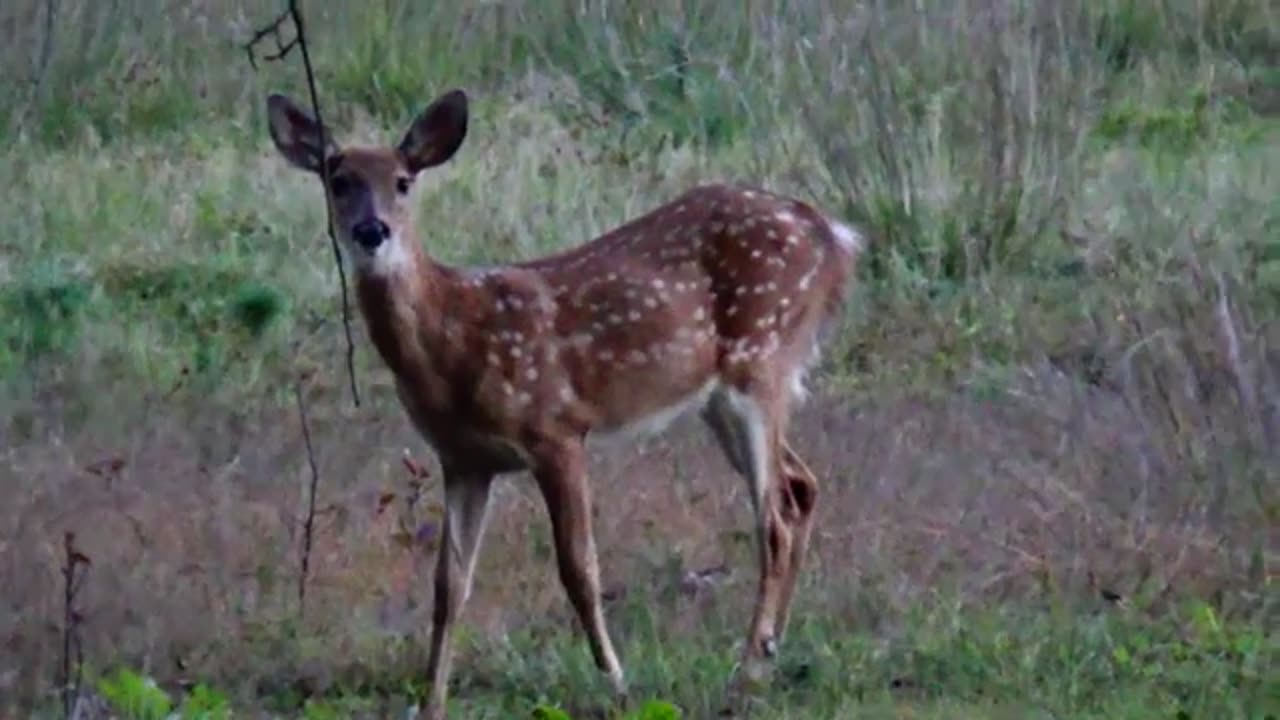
(106, 467)
(384, 500)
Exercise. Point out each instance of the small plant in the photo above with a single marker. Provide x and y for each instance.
(134, 696)
(548, 712)
(256, 305)
(319, 710)
(656, 710)
(205, 703)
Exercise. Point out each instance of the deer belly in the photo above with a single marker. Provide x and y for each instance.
(639, 410)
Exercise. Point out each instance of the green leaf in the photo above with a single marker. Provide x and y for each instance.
(547, 712)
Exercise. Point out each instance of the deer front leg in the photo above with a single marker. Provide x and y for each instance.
(561, 473)
(466, 508)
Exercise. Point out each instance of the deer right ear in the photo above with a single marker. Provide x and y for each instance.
(437, 133)
(296, 133)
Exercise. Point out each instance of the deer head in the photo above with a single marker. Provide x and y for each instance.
(369, 187)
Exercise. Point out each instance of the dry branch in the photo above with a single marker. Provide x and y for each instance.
(275, 31)
(309, 520)
(75, 568)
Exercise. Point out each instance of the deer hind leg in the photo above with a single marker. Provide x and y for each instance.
(466, 509)
(798, 488)
(747, 427)
(562, 476)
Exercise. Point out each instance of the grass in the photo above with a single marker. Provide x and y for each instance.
(1048, 426)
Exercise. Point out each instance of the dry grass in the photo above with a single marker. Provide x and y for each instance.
(981, 501)
(1055, 400)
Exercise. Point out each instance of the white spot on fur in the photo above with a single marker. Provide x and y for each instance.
(849, 240)
(807, 279)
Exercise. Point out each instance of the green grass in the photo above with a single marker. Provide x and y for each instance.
(941, 660)
(1061, 362)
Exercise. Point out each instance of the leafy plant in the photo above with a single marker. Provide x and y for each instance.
(656, 710)
(135, 696)
(549, 712)
(205, 703)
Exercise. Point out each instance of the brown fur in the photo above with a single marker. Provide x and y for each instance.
(714, 299)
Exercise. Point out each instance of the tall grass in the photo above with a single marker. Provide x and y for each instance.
(1060, 367)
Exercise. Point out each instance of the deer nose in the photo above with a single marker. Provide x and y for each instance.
(370, 233)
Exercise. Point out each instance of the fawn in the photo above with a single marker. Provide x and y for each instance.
(715, 302)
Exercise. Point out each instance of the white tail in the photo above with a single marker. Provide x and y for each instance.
(713, 302)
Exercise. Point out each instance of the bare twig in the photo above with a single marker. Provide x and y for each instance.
(75, 568)
(308, 522)
(271, 31)
(275, 31)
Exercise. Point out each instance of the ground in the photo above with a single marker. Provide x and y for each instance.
(1047, 426)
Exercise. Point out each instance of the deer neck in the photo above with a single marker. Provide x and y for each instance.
(404, 310)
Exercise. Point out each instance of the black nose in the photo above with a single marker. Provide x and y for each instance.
(371, 233)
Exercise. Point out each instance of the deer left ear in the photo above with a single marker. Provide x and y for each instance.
(296, 133)
(437, 133)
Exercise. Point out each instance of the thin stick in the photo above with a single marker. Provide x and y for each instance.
(308, 523)
(74, 569)
(283, 48)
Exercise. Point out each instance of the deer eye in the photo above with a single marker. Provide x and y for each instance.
(403, 184)
(341, 185)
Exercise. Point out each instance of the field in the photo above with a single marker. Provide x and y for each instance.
(1048, 428)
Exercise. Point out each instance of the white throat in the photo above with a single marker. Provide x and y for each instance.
(390, 258)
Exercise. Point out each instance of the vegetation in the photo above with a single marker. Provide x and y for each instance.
(1049, 426)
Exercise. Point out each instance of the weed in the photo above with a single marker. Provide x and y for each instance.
(135, 696)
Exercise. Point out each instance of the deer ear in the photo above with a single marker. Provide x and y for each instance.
(437, 133)
(296, 133)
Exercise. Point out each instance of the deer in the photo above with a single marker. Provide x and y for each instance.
(716, 303)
